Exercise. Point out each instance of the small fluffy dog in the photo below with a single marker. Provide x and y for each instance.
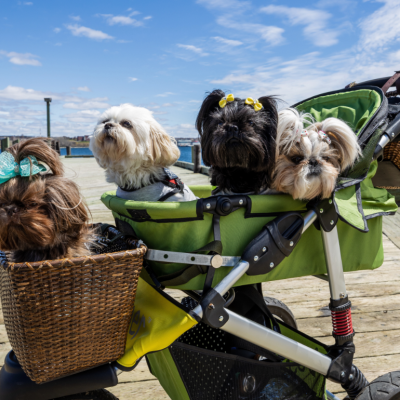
(238, 141)
(135, 152)
(310, 160)
(42, 215)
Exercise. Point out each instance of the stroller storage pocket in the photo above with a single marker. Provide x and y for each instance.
(211, 367)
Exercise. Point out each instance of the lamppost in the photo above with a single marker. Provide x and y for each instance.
(48, 101)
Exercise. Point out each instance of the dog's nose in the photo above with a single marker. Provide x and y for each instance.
(11, 210)
(233, 129)
(313, 162)
(108, 126)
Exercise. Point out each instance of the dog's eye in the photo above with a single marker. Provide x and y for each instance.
(220, 123)
(105, 121)
(251, 122)
(127, 124)
(33, 204)
(326, 159)
(297, 159)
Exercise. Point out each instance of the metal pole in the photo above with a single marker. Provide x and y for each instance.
(48, 101)
(334, 266)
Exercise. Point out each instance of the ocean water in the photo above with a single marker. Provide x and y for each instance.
(186, 152)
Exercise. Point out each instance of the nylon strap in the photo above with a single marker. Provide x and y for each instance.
(390, 82)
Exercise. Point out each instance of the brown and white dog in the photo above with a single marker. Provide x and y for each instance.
(310, 160)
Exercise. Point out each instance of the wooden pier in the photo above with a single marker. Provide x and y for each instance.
(375, 296)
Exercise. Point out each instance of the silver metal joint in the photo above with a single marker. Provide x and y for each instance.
(343, 374)
(211, 306)
(255, 258)
(321, 210)
(216, 261)
(332, 222)
(221, 318)
(208, 206)
(272, 265)
(264, 249)
(240, 201)
(291, 244)
(351, 377)
(342, 295)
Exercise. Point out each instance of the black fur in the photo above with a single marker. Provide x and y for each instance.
(238, 142)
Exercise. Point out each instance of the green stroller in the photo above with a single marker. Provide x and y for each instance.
(223, 341)
(231, 345)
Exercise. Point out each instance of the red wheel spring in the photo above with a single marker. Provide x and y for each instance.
(342, 323)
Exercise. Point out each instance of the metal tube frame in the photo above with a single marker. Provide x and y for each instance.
(269, 339)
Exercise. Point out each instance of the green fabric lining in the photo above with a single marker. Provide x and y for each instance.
(355, 107)
(237, 231)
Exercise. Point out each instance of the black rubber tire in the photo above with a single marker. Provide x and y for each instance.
(386, 387)
(281, 311)
(101, 394)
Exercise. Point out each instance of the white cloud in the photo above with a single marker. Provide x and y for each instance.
(194, 49)
(96, 103)
(22, 94)
(21, 114)
(148, 17)
(83, 89)
(182, 130)
(315, 22)
(271, 34)
(75, 17)
(22, 58)
(382, 27)
(83, 116)
(227, 42)
(130, 79)
(57, 30)
(77, 30)
(121, 20)
(166, 94)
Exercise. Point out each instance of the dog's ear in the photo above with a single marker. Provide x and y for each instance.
(270, 108)
(343, 139)
(209, 105)
(164, 150)
(41, 150)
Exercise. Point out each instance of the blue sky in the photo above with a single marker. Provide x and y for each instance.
(166, 54)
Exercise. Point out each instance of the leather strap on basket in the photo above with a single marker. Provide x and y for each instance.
(391, 82)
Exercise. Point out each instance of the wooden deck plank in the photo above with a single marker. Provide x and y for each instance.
(375, 296)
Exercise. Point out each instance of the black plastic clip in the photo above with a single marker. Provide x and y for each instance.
(327, 217)
(342, 361)
(214, 313)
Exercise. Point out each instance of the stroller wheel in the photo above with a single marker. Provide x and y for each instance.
(386, 387)
(281, 311)
(92, 395)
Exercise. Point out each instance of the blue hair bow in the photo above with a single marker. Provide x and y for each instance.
(9, 168)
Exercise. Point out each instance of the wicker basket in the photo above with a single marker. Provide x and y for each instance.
(391, 152)
(65, 316)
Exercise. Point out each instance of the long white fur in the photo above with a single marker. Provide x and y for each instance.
(134, 156)
(342, 138)
(290, 125)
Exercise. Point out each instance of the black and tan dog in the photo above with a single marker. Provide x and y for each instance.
(238, 141)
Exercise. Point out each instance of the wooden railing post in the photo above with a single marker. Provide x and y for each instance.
(196, 158)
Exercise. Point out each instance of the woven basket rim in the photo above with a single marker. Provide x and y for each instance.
(75, 261)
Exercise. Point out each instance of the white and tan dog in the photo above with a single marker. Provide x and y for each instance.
(309, 161)
(135, 152)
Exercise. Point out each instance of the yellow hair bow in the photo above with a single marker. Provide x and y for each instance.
(255, 103)
(224, 100)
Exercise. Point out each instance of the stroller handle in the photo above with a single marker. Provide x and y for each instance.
(391, 133)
